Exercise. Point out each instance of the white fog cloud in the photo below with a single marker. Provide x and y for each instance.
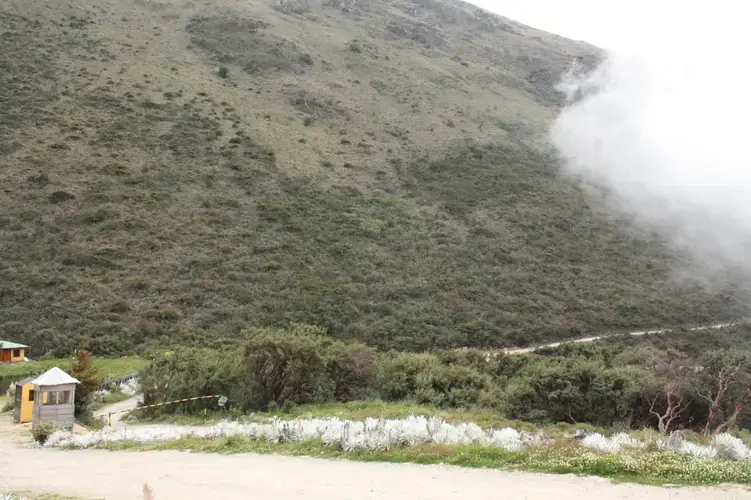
(665, 134)
(662, 132)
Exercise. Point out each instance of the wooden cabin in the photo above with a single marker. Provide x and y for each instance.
(11, 352)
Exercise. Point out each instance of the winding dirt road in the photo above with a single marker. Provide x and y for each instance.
(525, 350)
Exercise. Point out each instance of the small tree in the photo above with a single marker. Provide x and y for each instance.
(352, 368)
(674, 406)
(726, 388)
(83, 370)
(282, 365)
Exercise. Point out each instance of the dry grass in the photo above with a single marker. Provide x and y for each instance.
(372, 168)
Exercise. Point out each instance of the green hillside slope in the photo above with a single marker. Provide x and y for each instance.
(173, 171)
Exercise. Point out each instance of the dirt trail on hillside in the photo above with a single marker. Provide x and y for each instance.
(525, 350)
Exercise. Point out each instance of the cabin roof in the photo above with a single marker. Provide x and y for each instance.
(54, 376)
(4, 344)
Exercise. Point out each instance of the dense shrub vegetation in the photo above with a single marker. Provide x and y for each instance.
(619, 382)
(168, 206)
(273, 367)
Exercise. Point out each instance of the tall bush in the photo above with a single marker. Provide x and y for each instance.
(186, 373)
(422, 378)
(575, 390)
(352, 368)
(301, 365)
(284, 365)
(82, 368)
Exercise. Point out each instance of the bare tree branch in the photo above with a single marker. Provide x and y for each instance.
(723, 379)
(672, 411)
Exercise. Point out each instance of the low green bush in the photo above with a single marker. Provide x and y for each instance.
(42, 431)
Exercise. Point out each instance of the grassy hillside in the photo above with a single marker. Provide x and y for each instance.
(174, 171)
(107, 368)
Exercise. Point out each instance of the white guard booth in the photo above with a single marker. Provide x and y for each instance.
(54, 398)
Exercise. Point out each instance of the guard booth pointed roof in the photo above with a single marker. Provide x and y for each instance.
(54, 376)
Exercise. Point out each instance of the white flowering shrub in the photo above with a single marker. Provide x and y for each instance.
(613, 444)
(384, 434)
(626, 441)
(600, 443)
(730, 447)
(697, 450)
(371, 434)
(10, 496)
(672, 443)
(724, 446)
(130, 387)
(98, 396)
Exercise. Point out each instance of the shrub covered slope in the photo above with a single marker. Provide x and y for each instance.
(606, 384)
(172, 173)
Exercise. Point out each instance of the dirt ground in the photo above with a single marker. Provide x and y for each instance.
(180, 475)
(116, 418)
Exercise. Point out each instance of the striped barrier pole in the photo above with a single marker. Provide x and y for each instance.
(222, 401)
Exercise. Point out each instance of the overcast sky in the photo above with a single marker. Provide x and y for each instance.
(630, 26)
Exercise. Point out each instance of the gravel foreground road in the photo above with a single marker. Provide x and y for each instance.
(180, 475)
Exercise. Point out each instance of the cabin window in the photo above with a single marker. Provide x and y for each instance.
(16, 353)
(63, 398)
(57, 398)
(31, 395)
(51, 398)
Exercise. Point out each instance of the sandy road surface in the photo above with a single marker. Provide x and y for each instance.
(120, 407)
(179, 475)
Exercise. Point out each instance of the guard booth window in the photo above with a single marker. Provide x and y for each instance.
(56, 398)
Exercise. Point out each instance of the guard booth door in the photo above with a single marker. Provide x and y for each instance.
(17, 404)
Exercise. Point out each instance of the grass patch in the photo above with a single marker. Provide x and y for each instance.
(115, 397)
(638, 467)
(111, 398)
(355, 410)
(108, 368)
(245, 43)
(360, 410)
